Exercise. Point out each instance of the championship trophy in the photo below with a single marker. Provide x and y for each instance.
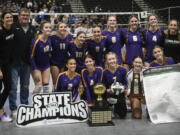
(116, 88)
(136, 86)
(100, 114)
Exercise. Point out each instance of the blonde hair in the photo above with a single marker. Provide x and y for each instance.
(109, 53)
(109, 17)
(57, 26)
(132, 16)
(149, 18)
(164, 58)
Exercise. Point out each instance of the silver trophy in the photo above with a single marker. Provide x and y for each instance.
(116, 88)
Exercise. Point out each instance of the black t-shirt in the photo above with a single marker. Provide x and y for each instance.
(6, 45)
(172, 47)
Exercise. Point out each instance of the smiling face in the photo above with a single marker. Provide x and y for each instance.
(89, 63)
(7, 19)
(112, 22)
(96, 31)
(138, 64)
(173, 26)
(81, 38)
(71, 65)
(133, 22)
(62, 28)
(46, 29)
(152, 21)
(111, 60)
(158, 53)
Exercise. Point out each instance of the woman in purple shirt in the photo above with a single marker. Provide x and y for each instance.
(114, 73)
(70, 81)
(114, 38)
(40, 58)
(78, 50)
(60, 48)
(90, 76)
(96, 46)
(160, 59)
(134, 41)
(153, 35)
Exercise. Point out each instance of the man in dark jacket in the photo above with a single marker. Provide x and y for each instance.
(24, 33)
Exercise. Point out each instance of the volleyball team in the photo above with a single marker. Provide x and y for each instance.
(76, 64)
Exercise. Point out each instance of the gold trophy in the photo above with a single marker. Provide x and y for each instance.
(100, 114)
(99, 90)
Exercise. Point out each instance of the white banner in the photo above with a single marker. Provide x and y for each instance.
(162, 93)
(54, 108)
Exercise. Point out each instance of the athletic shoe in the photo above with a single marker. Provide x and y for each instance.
(5, 118)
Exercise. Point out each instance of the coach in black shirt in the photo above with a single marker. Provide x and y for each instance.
(6, 47)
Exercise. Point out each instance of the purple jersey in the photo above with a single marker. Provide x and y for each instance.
(133, 41)
(97, 50)
(119, 75)
(60, 48)
(78, 54)
(40, 54)
(89, 81)
(152, 39)
(168, 61)
(114, 43)
(65, 83)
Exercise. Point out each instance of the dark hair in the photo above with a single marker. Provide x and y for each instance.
(138, 57)
(70, 58)
(4, 13)
(89, 56)
(80, 32)
(42, 25)
(97, 25)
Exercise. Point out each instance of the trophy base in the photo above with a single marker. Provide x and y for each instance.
(100, 116)
(100, 124)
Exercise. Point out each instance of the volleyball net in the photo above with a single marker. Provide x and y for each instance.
(88, 19)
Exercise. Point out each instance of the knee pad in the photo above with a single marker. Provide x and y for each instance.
(37, 89)
(46, 88)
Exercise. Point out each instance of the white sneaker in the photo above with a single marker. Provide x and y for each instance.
(5, 118)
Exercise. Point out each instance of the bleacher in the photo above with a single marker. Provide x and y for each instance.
(111, 5)
(159, 6)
